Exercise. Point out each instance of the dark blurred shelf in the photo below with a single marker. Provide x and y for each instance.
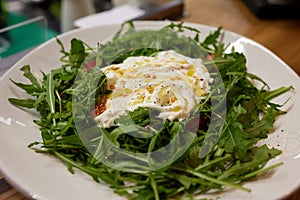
(32, 10)
(274, 9)
(160, 10)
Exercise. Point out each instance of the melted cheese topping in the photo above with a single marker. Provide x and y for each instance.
(169, 82)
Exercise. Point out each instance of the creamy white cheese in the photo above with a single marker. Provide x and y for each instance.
(169, 82)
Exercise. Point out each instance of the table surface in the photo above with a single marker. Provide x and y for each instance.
(282, 36)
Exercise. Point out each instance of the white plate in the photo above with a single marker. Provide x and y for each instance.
(44, 177)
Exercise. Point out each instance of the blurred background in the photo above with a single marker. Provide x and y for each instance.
(53, 10)
(26, 23)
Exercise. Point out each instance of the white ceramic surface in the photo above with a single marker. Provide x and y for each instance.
(44, 177)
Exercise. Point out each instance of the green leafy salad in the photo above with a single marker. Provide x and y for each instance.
(141, 156)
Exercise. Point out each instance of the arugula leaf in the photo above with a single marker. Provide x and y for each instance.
(50, 96)
(77, 53)
(28, 74)
(212, 38)
(26, 103)
(260, 156)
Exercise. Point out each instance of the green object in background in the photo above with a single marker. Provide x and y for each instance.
(23, 33)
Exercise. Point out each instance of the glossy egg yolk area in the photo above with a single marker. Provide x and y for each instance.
(168, 82)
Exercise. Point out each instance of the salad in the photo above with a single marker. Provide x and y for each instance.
(213, 146)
